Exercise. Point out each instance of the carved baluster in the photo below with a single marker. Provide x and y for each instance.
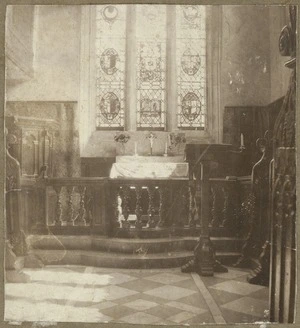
(88, 203)
(248, 209)
(70, 209)
(183, 204)
(58, 207)
(80, 218)
(214, 221)
(162, 205)
(192, 206)
(235, 222)
(198, 202)
(36, 157)
(138, 207)
(116, 207)
(151, 207)
(225, 211)
(46, 154)
(125, 206)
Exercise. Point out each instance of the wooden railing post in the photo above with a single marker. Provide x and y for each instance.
(192, 207)
(69, 206)
(151, 207)
(138, 206)
(14, 235)
(40, 190)
(125, 205)
(58, 206)
(162, 205)
(203, 159)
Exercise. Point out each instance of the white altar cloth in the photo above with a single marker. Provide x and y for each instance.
(150, 170)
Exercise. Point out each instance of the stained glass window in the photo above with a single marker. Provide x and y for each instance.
(110, 66)
(151, 66)
(191, 64)
(149, 40)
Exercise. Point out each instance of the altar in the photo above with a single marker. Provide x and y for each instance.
(149, 167)
(149, 191)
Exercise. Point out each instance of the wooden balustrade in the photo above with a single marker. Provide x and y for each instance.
(171, 204)
(149, 204)
(65, 205)
(115, 206)
(79, 202)
(226, 204)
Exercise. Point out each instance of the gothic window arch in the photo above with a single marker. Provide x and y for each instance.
(151, 67)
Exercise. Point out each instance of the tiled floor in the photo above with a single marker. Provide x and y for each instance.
(166, 296)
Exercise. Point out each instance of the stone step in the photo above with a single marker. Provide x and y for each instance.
(128, 246)
(141, 233)
(117, 260)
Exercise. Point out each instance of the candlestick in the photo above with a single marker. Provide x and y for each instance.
(166, 149)
(242, 141)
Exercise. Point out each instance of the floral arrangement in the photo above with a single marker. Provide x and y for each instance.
(122, 137)
(176, 139)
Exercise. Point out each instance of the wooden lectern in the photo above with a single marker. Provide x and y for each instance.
(206, 161)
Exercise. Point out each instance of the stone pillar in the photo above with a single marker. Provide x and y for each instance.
(130, 66)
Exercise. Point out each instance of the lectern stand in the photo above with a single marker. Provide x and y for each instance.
(204, 161)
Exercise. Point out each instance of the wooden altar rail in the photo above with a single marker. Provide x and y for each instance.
(65, 205)
(150, 203)
(230, 202)
(106, 206)
(154, 204)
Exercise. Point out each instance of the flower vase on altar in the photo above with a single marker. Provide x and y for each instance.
(177, 142)
(122, 138)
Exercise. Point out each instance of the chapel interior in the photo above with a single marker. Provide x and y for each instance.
(150, 163)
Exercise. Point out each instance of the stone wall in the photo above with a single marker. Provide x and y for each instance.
(56, 57)
(250, 71)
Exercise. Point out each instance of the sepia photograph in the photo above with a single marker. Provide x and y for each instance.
(150, 164)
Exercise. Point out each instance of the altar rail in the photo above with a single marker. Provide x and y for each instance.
(230, 203)
(132, 208)
(149, 204)
(66, 205)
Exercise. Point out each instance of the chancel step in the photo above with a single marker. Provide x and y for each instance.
(130, 246)
(117, 260)
(126, 253)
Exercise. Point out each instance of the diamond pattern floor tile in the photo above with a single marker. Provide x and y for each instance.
(44, 311)
(210, 281)
(140, 317)
(140, 296)
(194, 299)
(116, 312)
(171, 293)
(141, 305)
(158, 296)
(141, 285)
(248, 305)
(111, 293)
(203, 318)
(237, 287)
(222, 297)
(261, 294)
(188, 283)
(103, 305)
(167, 278)
(181, 316)
(119, 278)
(233, 317)
(163, 311)
(186, 307)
